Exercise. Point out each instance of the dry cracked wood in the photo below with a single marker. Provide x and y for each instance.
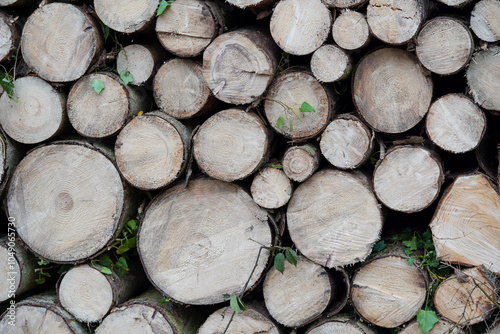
(126, 16)
(271, 188)
(483, 78)
(485, 20)
(330, 63)
(350, 30)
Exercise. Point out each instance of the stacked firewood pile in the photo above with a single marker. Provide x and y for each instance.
(250, 166)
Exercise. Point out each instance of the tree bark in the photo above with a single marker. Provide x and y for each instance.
(142, 61)
(483, 78)
(391, 90)
(186, 254)
(340, 325)
(68, 200)
(10, 36)
(330, 63)
(455, 123)
(485, 20)
(126, 16)
(465, 226)
(10, 155)
(60, 42)
(351, 31)
(344, 3)
(300, 162)
(299, 27)
(39, 114)
(271, 188)
(326, 208)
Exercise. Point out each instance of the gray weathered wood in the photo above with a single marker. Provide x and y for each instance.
(271, 188)
(142, 61)
(126, 16)
(10, 36)
(483, 78)
(485, 20)
(330, 63)
(350, 30)
(300, 162)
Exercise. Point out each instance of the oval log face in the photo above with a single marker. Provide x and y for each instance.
(249, 322)
(126, 16)
(483, 78)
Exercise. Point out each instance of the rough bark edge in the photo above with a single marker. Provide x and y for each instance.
(364, 328)
(15, 34)
(14, 153)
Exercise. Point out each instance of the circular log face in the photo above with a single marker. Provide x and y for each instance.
(388, 291)
(455, 123)
(185, 254)
(86, 293)
(340, 325)
(39, 114)
(334, 219)
(7, 36)
(126, 16)
(271, 188)
(408, 179)
(350, 30)
(454, 3)
(299, 27)
(231, 145)
(330, 63)
(485, 20)
(9, 268)
(391, 91)
(67, 199)
(440, 327)
(483, 78)
(444, 45)
(138, 60)
(59, 42)
(300, 162)
(36, 319)
(249, 322)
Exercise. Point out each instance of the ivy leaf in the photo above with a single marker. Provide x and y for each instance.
(280, 122)
(236, 304)
(279, 262)
(410, 261)
(106, 270)
(105, 31)
(379, 246)
(98, 85)
(40, 280)
(163, 5)
(132, 224)
(291, 256)
(163, 300)
(126, 77)
(306, 107)
(426, 320)
(131, 243)
(8, 86)
(277, 166)
(122, 249)
(105, 260)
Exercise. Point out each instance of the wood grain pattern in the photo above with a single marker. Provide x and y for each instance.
(142, 61)
(350, 30)
(271, 188)
(485, 20)
(10, 36)
(300, 162)
(330, 63)
(126, 16)
(483, 78)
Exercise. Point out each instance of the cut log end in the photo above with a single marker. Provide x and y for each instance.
(271, 188)
(330, 63)
(343, 3)
(141, 61)
(300, 162)
(350, 30)
(440, 327)
(483, 78)
(10, 35)
(485, 20)
(127, 17)
(340, 325)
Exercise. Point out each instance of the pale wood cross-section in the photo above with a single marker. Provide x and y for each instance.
(485, 20)
(14, 3)
(300, 162)
(343, 3)
(350, 30)
(271, 188)
(126, 16)
(10, 36)
(142, 61)
(340, 324)
(440, 327)
(455, 3)
(330, 63)
(251, 4)
(483, 78)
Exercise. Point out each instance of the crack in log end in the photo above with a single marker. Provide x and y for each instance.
(387, 6)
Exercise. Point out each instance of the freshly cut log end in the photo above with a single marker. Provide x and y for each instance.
(300, 162)
(39, 115)
(483, 78)
(251, 4)
(444, 45)
(391, 91)
(440, 327)
(99, 115)
(388, 291)
(68, 200)
(346, 142)
(60, 41)
(343, 3)
(299, 27)
(152, 150)
(10, 36)
(395, 21)
(40, 314)
(485, 20)
(454, 3)
(285, 97)
(350, 30)
(466, 224)
(334, 218)
(252, 321)
(189, 26)
(126, 16)
(340, 325)
(239, 65)
(15, 3)
(180, 90)
(408, 178)
(142, 61)
(299, 295)
(455, 123)
(271, 188)
(186, 254)
(231, 145)
(330, 63)
(466, 298)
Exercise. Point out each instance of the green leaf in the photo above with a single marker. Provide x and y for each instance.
(163, 300)
(64, 268)
(306, 107)
(410, 261)
(163, 5)
(40, 280)
(43, 262)
(280, 122)
(98, 85)
(131, 243)
(411, 244)
(236, 304)
(121, 263)
(8, 86)
(279, 262)
(278, 166)
(379, 246)
(105, 31)
(132, 224)
(122, 249)
(126, 77)
(106, 270)
(291, 125)
(226, 296)
(426, 320)
(104, 260)
(291, 256)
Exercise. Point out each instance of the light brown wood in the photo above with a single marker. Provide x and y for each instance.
(455, 3)
(99, 115)
(299, 27)
(152, 150)
(391, 90)
(350, 30)
(39, 115)
(233, 80)
(485, 20)
(290, 89)
(444, 45)
(388, 291)
(231, 145)
(251, 4)
(300, 162)
(189, 26)
(142, 61)
(186, 254)
(180, 90)
(299, 295)
(465, 226)
(60, 41)
(465, 299)
(440, 327)
(395, 21)
(340, 325)
(455, 123)
(126, 16)
(483, 78)
(271, 188)
(330, 63)
(68, 200)
(347, 142)
(10, 36)
(408, 178)
(343, 3)
(15, 3)
(334, 219)
(10, 155)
